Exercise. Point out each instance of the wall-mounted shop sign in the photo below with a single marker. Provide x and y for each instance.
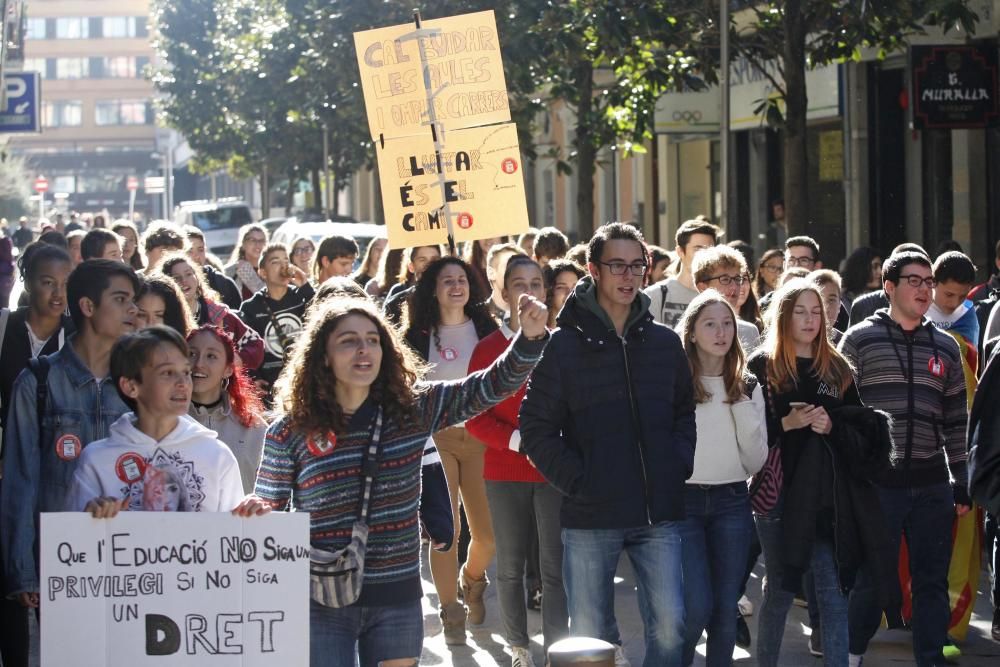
(954, 87)
(700, 112)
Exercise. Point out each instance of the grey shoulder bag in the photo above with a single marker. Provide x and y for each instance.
(335, 577)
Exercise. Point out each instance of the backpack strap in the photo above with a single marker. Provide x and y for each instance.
(663, 299)
(40, 367)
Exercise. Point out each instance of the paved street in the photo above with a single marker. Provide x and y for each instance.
(486, 646)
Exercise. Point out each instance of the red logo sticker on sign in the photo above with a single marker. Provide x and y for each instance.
(130, 467)
(464, 220)
(68, 447)
(324, 446)
(509, 165)
(936, 367)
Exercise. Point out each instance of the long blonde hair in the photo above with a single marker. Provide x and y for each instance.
(734, 364)
(827, 363)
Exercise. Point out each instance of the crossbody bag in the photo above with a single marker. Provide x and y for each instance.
(335, 577)
(765, 485)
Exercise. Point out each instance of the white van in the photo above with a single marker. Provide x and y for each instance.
(219, 221)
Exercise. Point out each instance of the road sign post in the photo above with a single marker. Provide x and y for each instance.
(41, 187)
(132, 184)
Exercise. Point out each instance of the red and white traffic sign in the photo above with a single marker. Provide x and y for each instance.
(41, 184)
(132, 183)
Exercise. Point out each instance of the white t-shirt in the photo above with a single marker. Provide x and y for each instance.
(668, 301)
(749, 336)
(190, 470)
(732, 437)
(450, 360)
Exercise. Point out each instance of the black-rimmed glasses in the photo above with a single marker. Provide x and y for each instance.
(619, 268)
(916, 280)
(726, 280)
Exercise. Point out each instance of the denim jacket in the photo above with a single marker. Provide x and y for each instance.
(39, 467)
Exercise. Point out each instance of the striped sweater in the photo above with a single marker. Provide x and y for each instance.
(918, 380)
(295, 476)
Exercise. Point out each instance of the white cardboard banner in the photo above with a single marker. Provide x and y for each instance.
(174, 588)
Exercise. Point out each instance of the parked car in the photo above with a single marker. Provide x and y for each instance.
(361, 232)
(272, 224)
(219, 220)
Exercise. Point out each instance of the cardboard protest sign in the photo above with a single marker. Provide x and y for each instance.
(480, 174)
(466, 74)
(175, 588)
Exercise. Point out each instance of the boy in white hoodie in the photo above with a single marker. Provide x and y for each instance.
(157, 458)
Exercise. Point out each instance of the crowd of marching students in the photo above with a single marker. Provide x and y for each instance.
(693, 409)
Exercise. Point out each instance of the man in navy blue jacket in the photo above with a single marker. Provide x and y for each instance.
(609, 420)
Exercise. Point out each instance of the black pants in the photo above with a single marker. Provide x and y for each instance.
(14, 638)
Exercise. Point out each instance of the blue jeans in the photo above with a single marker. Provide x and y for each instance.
(590, 558)
(774, 609)
(926, 514)
(348, 636)
(715, 535)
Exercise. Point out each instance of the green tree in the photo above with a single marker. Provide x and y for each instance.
(610, 61)
(800, 35)
(15, 187)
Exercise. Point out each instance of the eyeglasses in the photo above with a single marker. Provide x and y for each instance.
(800, 261)
(726, 281)
(256, 240)
(916, 280)
(772, 268)
(619, 268)
(303, 250)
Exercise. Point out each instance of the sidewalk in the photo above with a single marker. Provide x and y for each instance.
(486, 645)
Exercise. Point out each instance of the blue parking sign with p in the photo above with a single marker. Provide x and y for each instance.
(20, 103)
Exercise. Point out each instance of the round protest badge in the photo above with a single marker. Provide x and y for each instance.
(509, 165)
(449, 353)
(130, 467)
(68, 447)
(322, 446)
(936, 367)
(464, 220)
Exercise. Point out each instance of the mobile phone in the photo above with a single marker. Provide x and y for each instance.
(797, 405)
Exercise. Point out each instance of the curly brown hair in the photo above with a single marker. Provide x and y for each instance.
(423, 313)
(305, 388)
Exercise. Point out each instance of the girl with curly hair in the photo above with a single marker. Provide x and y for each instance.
(207, 308)
(448, 316)
(349, 373)
(225, 399)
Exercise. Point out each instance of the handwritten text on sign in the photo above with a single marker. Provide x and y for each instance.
(175, 589)
(483, 185)
(463, 61)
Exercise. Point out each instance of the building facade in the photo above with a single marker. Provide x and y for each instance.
(98, 124)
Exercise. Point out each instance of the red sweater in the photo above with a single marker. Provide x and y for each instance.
(495, 426)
